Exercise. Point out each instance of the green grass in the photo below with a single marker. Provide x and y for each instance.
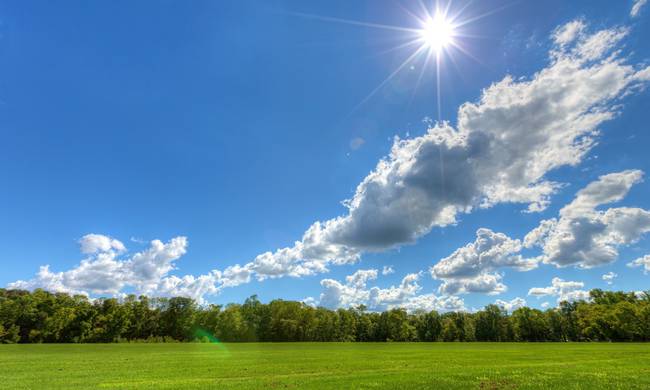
(326, 366)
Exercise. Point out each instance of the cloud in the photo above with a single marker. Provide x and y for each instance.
(641, 262)
(636, 7)
(310, 301)
(564, 291)
(586, 237)
(484, 284)
(93, 243)
(472, 267)
(609, 277)
(511, 305)
(406, 295)
(387, 270)
(568, 33)
(544, 305)
(104, 273)
(351, 293)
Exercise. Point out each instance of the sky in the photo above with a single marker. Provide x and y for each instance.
(393, 154)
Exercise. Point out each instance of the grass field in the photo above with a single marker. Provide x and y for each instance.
(326, 365)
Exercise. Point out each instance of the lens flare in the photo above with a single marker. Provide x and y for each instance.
(203, 335)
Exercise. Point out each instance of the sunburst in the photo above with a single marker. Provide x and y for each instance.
(437, 33)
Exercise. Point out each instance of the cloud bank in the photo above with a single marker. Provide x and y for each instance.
(354, 292)
(472, 268)
(586, 237)
(582, 236)
(103, 272)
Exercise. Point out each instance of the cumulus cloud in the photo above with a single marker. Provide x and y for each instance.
(387, 270)
(500, 151)
(93, 243)
(568, 33)
(472, 268)
(636, 7)
(587, 237)
(103, 272)
(641, 262)
(406, 295)
(511, 305)
(609, 277)
(564, 291)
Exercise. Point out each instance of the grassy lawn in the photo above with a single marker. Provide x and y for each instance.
(326, 365)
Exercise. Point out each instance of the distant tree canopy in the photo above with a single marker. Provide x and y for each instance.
(43, 317)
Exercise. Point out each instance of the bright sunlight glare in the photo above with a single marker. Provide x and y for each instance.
(439, 35)
(437, 32)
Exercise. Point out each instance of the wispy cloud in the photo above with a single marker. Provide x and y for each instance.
(636, 7)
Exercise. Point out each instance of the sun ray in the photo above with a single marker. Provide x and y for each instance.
(390, 76)
(439, 33)
(460, 11)
(483, 15)
(438, 86)
(417, 83)
(467, 53)
(354, 22)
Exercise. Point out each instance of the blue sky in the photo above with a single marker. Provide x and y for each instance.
(238, 125)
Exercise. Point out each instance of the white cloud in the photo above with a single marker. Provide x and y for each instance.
(387, 270)
(196, 287)
(484, 283)
(568, 33)
(472, 267)
(609, 277)
(636, 7)
(310, 301)
(147, 268)
(351, 293)
(641, 262)
(564, 291)
(544, 305)
(355, 292)
(586, 237)
(104, 273)
(511, 305)
(93, 243)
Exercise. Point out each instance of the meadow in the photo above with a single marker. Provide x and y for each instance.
(326, 366)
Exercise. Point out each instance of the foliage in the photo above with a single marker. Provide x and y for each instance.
(43, 317)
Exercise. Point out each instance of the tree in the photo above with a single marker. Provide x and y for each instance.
(41, 316)
(529, 324)
(489, 324)
(428, 326)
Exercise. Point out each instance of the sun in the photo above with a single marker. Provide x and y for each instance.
(435, 38)
(437, 33)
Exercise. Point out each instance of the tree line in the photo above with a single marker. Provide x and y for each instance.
(44, 317)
